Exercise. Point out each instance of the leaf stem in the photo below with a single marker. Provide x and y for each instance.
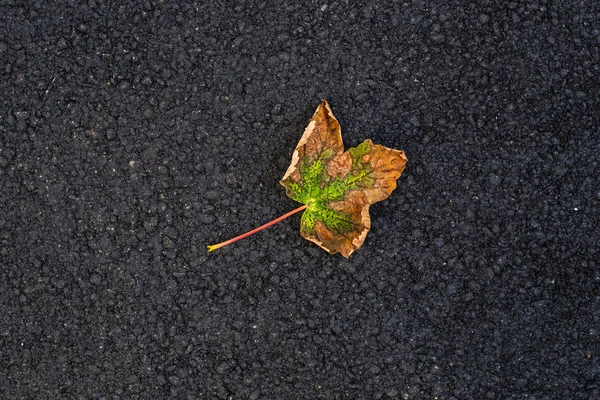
(253, 231)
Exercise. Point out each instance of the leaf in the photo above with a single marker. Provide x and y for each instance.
(338, 187)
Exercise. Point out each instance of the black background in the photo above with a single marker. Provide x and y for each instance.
(135, 133)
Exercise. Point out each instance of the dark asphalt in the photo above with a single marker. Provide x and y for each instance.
(132, 134)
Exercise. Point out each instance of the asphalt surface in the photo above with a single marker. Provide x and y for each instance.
(134, 134)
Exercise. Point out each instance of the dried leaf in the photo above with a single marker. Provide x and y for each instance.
(338, 187)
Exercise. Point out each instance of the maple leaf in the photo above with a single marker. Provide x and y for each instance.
(336, 186)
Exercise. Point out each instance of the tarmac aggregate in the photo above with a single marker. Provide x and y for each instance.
(134, 133)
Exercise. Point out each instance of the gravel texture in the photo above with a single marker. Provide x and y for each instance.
(132, 134)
